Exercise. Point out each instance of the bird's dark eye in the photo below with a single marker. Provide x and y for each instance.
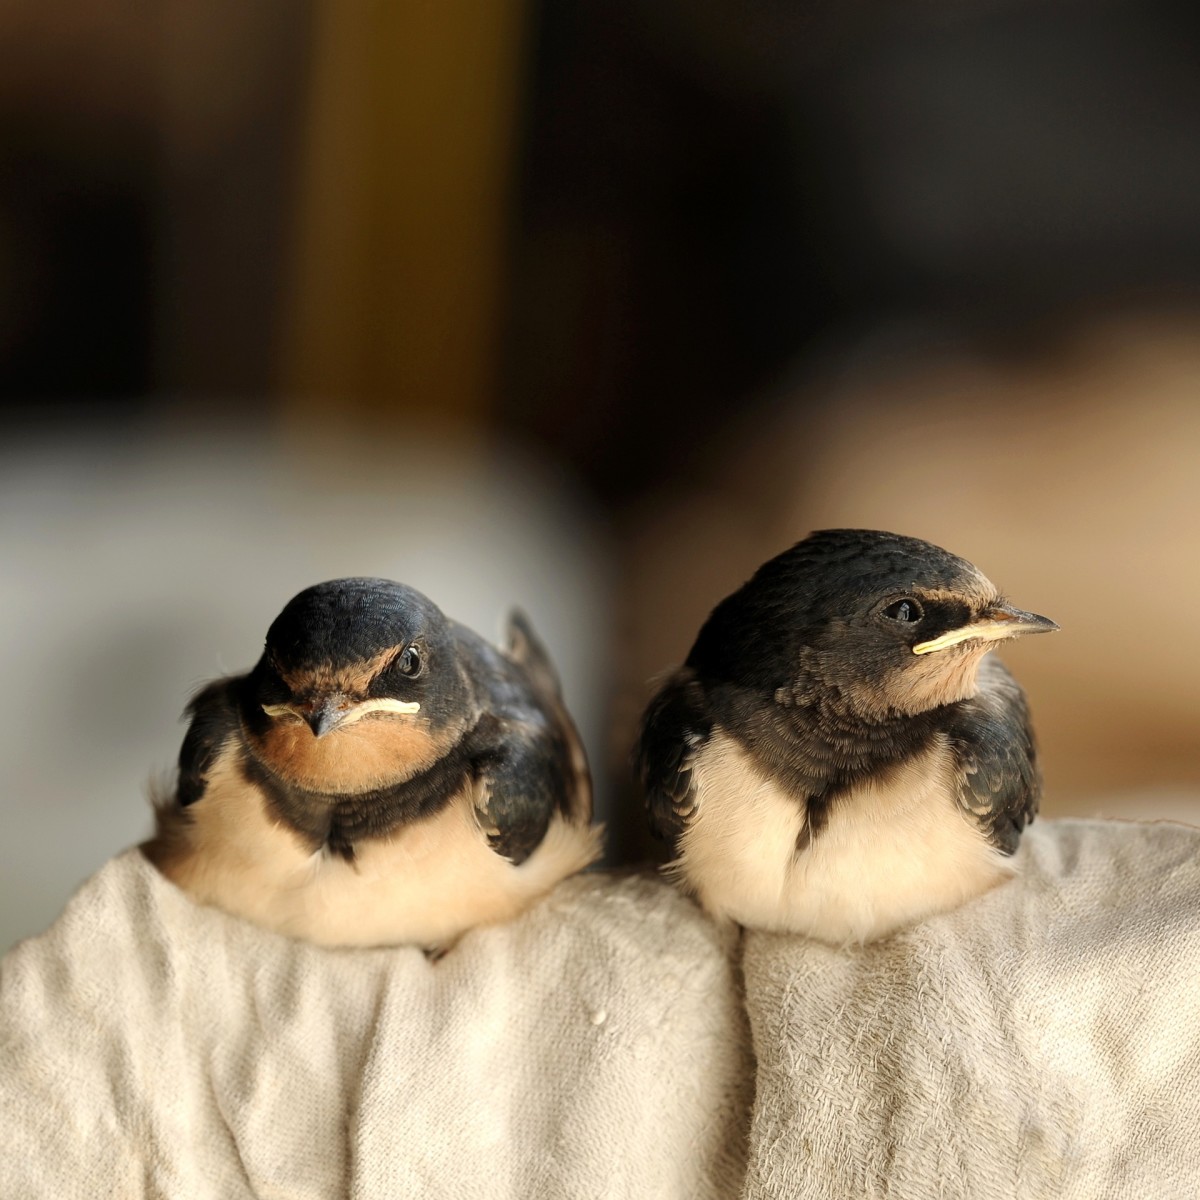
(904, 610)
(410, 662)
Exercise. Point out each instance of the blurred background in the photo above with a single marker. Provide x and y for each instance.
(592, 306)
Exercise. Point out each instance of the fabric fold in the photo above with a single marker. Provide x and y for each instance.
(152, 1047)
(1041, 1041)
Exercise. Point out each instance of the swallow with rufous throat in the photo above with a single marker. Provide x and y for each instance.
(382, 776)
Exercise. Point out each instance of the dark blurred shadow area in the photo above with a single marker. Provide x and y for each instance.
(591, 305)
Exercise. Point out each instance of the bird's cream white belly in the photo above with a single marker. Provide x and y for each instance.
(895, 850)
(425, 885)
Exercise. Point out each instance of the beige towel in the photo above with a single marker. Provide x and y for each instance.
(150, 1047)
(1043, 1041)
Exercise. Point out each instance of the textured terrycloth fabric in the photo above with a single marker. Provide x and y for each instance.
(1043, 1041)
(594, 1048)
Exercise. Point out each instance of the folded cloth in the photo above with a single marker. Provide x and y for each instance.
(597, 1047)
(1043, 1041)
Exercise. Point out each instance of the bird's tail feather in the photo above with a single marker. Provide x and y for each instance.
(526, 648)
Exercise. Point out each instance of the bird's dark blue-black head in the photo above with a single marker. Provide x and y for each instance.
(348, 621)
(358, 646)
(873, 622)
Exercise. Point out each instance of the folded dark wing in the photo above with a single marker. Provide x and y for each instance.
(673, 730)
(999, 781)
(525, 775)
(214, 720)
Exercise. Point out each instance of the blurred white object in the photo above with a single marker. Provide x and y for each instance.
(137, 567)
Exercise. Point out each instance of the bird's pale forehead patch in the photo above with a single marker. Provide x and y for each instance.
(976, 589)
(352, 680)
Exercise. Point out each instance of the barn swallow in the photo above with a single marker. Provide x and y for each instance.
(841, 756)
(382, 776)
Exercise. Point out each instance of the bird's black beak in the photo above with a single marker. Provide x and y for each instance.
(996, 623)
(324, 715)
(1016, 621)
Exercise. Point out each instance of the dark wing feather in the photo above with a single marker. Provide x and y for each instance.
(525, 775)
(999, 780)
(214, 720)
(525, 647)
(214, 714)
(673, 730)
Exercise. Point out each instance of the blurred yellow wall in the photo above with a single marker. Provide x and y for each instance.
(392, 315)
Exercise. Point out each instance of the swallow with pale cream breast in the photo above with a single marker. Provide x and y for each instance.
(382, 776)
(840, 755)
